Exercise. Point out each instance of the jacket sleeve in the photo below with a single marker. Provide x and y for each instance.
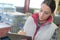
(29, 26)
(54, 37)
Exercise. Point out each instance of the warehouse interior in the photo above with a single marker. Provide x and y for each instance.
(13, 16)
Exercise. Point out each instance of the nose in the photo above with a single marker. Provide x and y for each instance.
(42, 14)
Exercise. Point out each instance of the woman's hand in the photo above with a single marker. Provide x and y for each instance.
(21, 33)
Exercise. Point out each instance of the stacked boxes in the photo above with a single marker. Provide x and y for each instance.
(1, 11)
(4, 9)
(16, 19)
(9, 8)
(0, 15)
(9, 16)
(4, 16)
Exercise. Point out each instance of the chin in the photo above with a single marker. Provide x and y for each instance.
(41, 19)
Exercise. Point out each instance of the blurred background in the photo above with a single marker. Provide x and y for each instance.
(15, 13)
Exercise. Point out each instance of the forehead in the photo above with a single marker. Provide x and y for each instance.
(45, 8)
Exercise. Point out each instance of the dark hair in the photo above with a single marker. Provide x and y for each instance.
(51, 4)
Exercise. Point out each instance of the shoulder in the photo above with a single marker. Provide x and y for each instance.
(33, 16)
(29, 18)
(54, 25)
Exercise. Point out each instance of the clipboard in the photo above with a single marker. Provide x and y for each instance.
(14, 36)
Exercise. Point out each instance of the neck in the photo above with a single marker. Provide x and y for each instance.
(41, 21)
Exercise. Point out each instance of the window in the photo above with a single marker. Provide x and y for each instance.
(35, 3)
(15, 2)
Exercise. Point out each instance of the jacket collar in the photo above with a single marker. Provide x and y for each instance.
(49, 20)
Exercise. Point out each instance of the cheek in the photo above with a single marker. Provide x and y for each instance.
(39, 15)
(46, 16)
(43, 16)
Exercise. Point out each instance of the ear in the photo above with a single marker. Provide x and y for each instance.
(52, 14)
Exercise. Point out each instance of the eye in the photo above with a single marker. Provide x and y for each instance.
(41, 10)
(46, 12)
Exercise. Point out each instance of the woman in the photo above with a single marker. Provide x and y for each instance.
(40, 25)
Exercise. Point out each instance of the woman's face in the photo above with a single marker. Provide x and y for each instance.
(45, 12)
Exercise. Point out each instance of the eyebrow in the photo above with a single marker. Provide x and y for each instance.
(44, 11)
